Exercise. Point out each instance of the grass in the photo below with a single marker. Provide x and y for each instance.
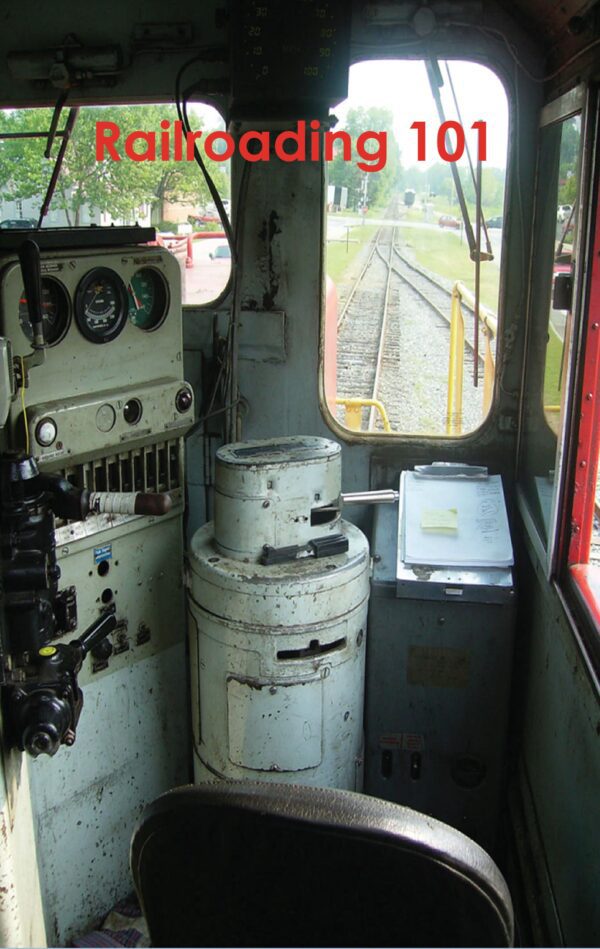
(443, 253)
(554, 355)
(340, 254)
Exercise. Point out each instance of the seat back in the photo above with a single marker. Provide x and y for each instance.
(261, 864)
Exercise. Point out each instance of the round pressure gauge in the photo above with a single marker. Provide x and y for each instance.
(148, 298)
(101, 305)
(56, 310)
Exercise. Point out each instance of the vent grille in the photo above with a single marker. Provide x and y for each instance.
(152, 468)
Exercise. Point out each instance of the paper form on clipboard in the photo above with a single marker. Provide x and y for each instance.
(455, 522)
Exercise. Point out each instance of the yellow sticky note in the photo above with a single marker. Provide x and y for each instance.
(442, 520)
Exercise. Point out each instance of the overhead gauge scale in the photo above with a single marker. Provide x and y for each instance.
(56, 309)
(148, 298)
(101, 305)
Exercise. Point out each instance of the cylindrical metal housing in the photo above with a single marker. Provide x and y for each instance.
(278, 651)
(270, 492)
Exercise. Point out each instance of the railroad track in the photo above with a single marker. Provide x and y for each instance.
(397, 316)
(437, 296)
(362, 324)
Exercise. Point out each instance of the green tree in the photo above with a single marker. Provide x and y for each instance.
(380, 185)
(116, 187)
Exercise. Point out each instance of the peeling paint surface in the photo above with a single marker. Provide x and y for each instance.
(132, 745)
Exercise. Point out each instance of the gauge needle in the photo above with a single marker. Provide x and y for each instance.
(138, 305)
(91, 303)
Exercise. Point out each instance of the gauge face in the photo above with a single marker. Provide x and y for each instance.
(148, 298)
(101, 305)
(56, 310)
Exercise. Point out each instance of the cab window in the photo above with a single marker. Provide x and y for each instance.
(414, 196)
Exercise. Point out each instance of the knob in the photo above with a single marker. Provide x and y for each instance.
(45, 432)
(102, 650)
(183, 400)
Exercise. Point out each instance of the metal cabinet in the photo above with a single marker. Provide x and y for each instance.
(439, 655)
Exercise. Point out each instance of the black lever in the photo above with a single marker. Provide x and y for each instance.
(97, 631)
(329, 546)
(29, 258)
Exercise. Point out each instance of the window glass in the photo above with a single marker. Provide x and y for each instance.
(546, 388)
(111, 175)
(400, 251)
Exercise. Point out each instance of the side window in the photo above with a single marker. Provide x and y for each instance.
(122, 165)
(555, 292)
(415, 218)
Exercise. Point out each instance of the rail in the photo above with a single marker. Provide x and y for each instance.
(180, 245)
(489, 325)
(354, 407)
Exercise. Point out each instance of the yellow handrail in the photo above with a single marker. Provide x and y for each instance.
(354, 407)
(456, 359)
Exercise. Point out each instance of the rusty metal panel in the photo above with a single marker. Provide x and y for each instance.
(132, 745)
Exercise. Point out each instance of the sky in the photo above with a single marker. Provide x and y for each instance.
(403, 88)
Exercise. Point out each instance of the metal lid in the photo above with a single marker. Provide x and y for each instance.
(295, 449)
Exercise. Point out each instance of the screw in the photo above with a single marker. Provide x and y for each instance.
(266, 504)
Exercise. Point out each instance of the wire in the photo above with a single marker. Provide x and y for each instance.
(468, 151)
(213, 414)
(490, 30)
(572, 59)
(181, 106)
(23, 405)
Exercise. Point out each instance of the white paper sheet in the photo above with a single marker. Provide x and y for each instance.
(479, 537)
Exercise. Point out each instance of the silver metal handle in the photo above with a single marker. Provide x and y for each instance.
(387, 496)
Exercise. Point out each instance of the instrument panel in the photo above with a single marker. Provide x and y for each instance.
(102, 305)
(113, 362)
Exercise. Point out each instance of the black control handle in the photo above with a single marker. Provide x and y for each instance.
(328, 546)
(29, 258)
(99, 629)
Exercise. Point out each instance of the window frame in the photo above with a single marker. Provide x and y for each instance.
(551, 552)
(579, 578)
(436, 441)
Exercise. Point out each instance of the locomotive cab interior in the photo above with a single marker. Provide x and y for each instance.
(300, 425)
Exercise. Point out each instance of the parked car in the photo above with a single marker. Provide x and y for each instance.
(206, 217)
(18, 223)
(221, 252)
(494, 222)
(447, 220)
(564, 212)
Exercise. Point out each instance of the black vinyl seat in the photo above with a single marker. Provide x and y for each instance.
(261, 864)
